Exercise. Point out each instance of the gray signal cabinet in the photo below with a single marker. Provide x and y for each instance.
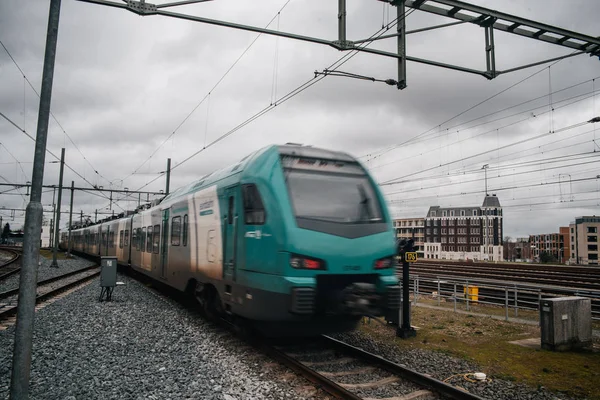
(566, 323)
(108, 276)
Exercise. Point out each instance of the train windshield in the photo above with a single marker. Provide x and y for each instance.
(329, 191)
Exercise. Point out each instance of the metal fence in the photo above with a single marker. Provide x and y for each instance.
(511, 297)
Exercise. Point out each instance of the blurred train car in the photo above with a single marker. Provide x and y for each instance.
(297, 240)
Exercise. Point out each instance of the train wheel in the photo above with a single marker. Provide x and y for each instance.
(209, 302)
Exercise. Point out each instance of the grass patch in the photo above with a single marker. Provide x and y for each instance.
(48, 254)
(485, 341)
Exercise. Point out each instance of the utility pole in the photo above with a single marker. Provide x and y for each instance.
(57, 229)
(169, 174)
(21, 367)
(70, 219)
(81, 218)
(96, 217)
(139, 199)
(111, 200)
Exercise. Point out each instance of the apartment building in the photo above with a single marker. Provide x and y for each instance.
(584, 240)
(465, 233)
(556, 244)
(412, 228)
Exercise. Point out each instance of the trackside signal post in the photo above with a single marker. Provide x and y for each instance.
(407, 255)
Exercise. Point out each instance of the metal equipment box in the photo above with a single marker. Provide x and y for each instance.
(566, 323)
(108, 272)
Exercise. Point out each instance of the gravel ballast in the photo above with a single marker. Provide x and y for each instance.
(47, 272)
(141, 346)
(441, 366)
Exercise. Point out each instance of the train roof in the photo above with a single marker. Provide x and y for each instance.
(240, 166)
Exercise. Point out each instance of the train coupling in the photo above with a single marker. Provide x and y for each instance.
(360, 298)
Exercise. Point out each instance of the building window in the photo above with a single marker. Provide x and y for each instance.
(592, 238)
(592, 229)
(443, 231)
(592, 247)
(474, 213)
(435, 231)
(452, 213)
(573, 247)
(593, 257)
(462, 213)
(451, 239)
(451, 231)
(443, 239)
(433, 214)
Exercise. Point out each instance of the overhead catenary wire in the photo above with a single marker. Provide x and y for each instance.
(338, 63)
(385, 150)
(207, 95)
(393, 181)
(48, 151)
(576, 99)
(51, 113)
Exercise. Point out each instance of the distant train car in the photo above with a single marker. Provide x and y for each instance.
(295, 239)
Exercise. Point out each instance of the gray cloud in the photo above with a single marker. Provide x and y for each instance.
(123, 83)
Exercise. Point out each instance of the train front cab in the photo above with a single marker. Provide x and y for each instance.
(316, 248)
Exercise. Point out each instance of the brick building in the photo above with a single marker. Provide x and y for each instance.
(556, 244)
(411, 228)
(584, 240)
(465, 233)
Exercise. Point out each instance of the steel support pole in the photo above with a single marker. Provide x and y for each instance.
(57, 218)
(168, 176)
(111, 200)
(70, 219)
(21, 363)
(342, 22)
(490, 53)
(401, 30)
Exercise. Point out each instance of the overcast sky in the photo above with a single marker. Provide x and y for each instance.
(124, 83)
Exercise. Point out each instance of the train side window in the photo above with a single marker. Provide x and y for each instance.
(143, 240)
(134, 240)
(230, 211)
(149, 240)
(185, 230)
(156, 239)
(121, 239)
(175, 231)
(111, 239)
(126, 238)
(254, 210)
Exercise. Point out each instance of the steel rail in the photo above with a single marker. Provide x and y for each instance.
(13, 292)
(321, 381)
(431, 383)
(12, 310)
(5, 266)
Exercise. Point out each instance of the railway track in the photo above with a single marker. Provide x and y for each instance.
(47, 289)
(10, 266)
(349, 372)
(551, 276)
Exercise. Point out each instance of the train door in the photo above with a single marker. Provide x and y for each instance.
(230, 233)
(164, 247)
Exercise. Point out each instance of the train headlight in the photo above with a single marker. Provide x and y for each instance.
(301, 262)
(384, 263)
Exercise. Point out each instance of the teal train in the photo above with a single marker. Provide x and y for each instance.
(292, 239)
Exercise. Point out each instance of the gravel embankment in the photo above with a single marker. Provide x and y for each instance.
(442, 366)
(46, 272)
(141, 346)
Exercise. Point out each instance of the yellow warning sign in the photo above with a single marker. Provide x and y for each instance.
(411, 256)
